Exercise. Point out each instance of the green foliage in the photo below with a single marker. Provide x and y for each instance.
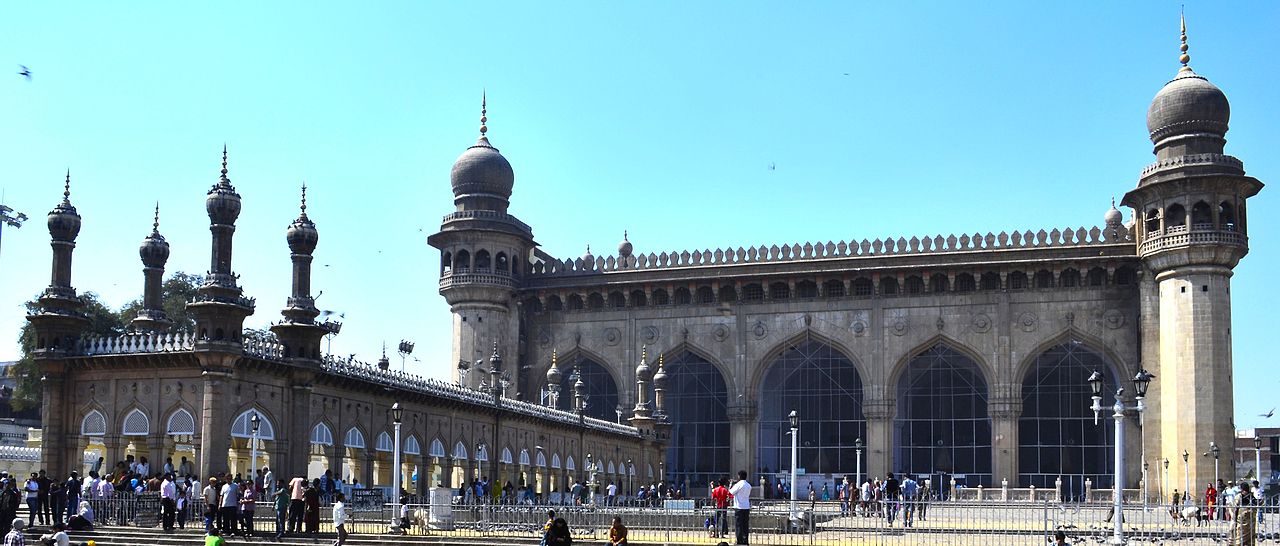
(178, 289)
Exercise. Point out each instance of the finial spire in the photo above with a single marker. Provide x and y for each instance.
(553, 357)
(155, 226)
(384, 349)
(224, 161)
(644, 353)
(484, 114)
(304, 207)
(66, 189)
(624, 235)
(1184, 58)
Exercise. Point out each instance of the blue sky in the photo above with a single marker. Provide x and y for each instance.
(898, 118)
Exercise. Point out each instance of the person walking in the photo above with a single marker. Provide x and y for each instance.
(910, 489)
(42, 498)
(32, 489)
(720, 496)
(892, 488)
(72, 504)
(741, 492)
(280, 503)
(340, 518)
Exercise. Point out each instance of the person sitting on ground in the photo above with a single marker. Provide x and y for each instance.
(214, 538)
(559, 534)
(57, 536)
(83, 520)
(618, 532)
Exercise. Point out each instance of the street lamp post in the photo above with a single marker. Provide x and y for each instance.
(1145, 466)
(255, 422)
(795, 433)
(1214, 451)
(1140, 382)
(397, 415)
(857, 473)
(1186, 471)
(1166, 479)
(1257, 457)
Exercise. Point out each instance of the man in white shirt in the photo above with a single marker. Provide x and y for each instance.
(613, 492)
(340, 518)
(741, 491)
(210, 493)
(168, 501)
(228, 507)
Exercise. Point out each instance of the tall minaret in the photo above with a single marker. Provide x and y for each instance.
(60, 319)
(154, 253)
(299, 331)
(220, 307)
(1192, 229)
(483, 254)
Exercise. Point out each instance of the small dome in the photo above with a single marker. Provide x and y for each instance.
(624, 248)
(643, 371)
(553, 375)
(1186, 105)
(660, 378)
(223, 203)
(384, 362)
(1113, 216)
(64, 221)
(481, 171)
(302, 234)
(154, 250)
(588, 258)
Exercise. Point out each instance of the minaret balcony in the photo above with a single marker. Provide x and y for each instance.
(1181, 237)
(476, 277)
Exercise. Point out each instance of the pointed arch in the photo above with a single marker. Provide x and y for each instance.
(482, 453)
(524, 457)
(436, 449)
(541, 460)
(613, 469)
(242, 426)
(94, 423)
(321, 435)
(690, 347)
(555, 460)
(384, 442)
(895, 373)
(459, 451)
(568, 464)
(505, 457)
(135, 423)
(1068, 335)
(601, 379)
(180, 422)
(806, 334)
(697, 401)
(353, 439)
(411, 445)
(942, 420)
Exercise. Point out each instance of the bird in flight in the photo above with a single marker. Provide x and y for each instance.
(1268, 414)
(24, 72)
(773, 167)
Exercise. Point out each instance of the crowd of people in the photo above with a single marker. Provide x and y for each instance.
(1217, 501)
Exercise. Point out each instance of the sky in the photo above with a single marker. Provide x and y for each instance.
(660, 118)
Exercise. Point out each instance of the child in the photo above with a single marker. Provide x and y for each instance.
(340, 518)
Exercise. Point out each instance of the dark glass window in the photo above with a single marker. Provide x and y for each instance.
(942, 427)
(965, 283)
(601, 391)
(728, 294)
(915, 284)
(888, 286)
(660, 297)
(990, 281)
(706, 295)
(695, 398)
(806, 289)
(1056, 434)
(825, 390)
(779, 291)
(1070, 278)
(616, 299)
(683, 297)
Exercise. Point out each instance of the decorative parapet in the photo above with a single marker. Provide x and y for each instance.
(168, 342)
(1193, 159)
(1055, 238)
(471, 279)
(397, 379)
(485, 215)
(266, 349)
(18, 453)
(1181, 237)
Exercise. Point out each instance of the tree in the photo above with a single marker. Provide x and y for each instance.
(177, 290)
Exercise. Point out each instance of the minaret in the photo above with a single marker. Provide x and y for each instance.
(553, 383)
(299, 332)
(1192, 230)
(220, 307)
(495, 373)
(659, 391)
(579, 391)
(642, 412)
(483, 253)
(154, 253)
(60, 319)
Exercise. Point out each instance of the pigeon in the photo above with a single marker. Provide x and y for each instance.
(24, 72)
(1268, 414)
(773, 167)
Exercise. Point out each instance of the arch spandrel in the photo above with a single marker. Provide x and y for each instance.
(894, 375)
(694, 349)
(760, 366)
(1104, 348)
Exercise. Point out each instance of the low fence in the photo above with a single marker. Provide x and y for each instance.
(775, 523)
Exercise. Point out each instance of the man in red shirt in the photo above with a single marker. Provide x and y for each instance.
(720, 496)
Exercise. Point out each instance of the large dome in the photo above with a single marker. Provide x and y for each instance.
(483, 172)
(1188, 104)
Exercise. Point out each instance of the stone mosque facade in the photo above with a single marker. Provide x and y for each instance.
(957, 357)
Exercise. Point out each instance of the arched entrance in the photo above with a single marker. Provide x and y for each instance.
(942, 427)
(600, 389)
(698, 450)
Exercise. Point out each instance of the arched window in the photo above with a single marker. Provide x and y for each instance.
(524, 457)
(541, 460)
(699, 448)
(1056, 433)
(683, 297)
(1226, 216)
(834, 288)
(1097, 277)
(555, 460)
(617, 300)
(462, 261)
(515, 266)
(460, 451)
(915, 284)
(411, 446)
(1175, 217)
(575, 302)
(1125, 275)
(1044, 279)
(568, 464)
(505, 457)
(942, 424)
(779, 291)
(806, 289)
(601, 390)
(637, 298)
(384, 442)
(595, 301)
(554, 303)
(888, 286)
(728, 294)
(660, 297)
(500, 263)
(1070, 278)
(321, 435)
(181, 423)
(242, 426)
(823, 386)
(990, 280)
(436, 449)
(862, 287)
(1017, 280)
(752, 292)
(705, 295)
(1201, 217)
(1153, 221)
(482, 261)
(136, 423)
(355, 439)
(965, 283)
(482, 453)
(93, 424)
(446, 263)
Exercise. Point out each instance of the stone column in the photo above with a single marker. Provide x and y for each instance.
(877, 458)
(743, 425)
(1004, 414)
(111, 446)
(215, 424)
(54, 439)
(296, 442)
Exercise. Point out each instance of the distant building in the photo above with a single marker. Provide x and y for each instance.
(1267, 452)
